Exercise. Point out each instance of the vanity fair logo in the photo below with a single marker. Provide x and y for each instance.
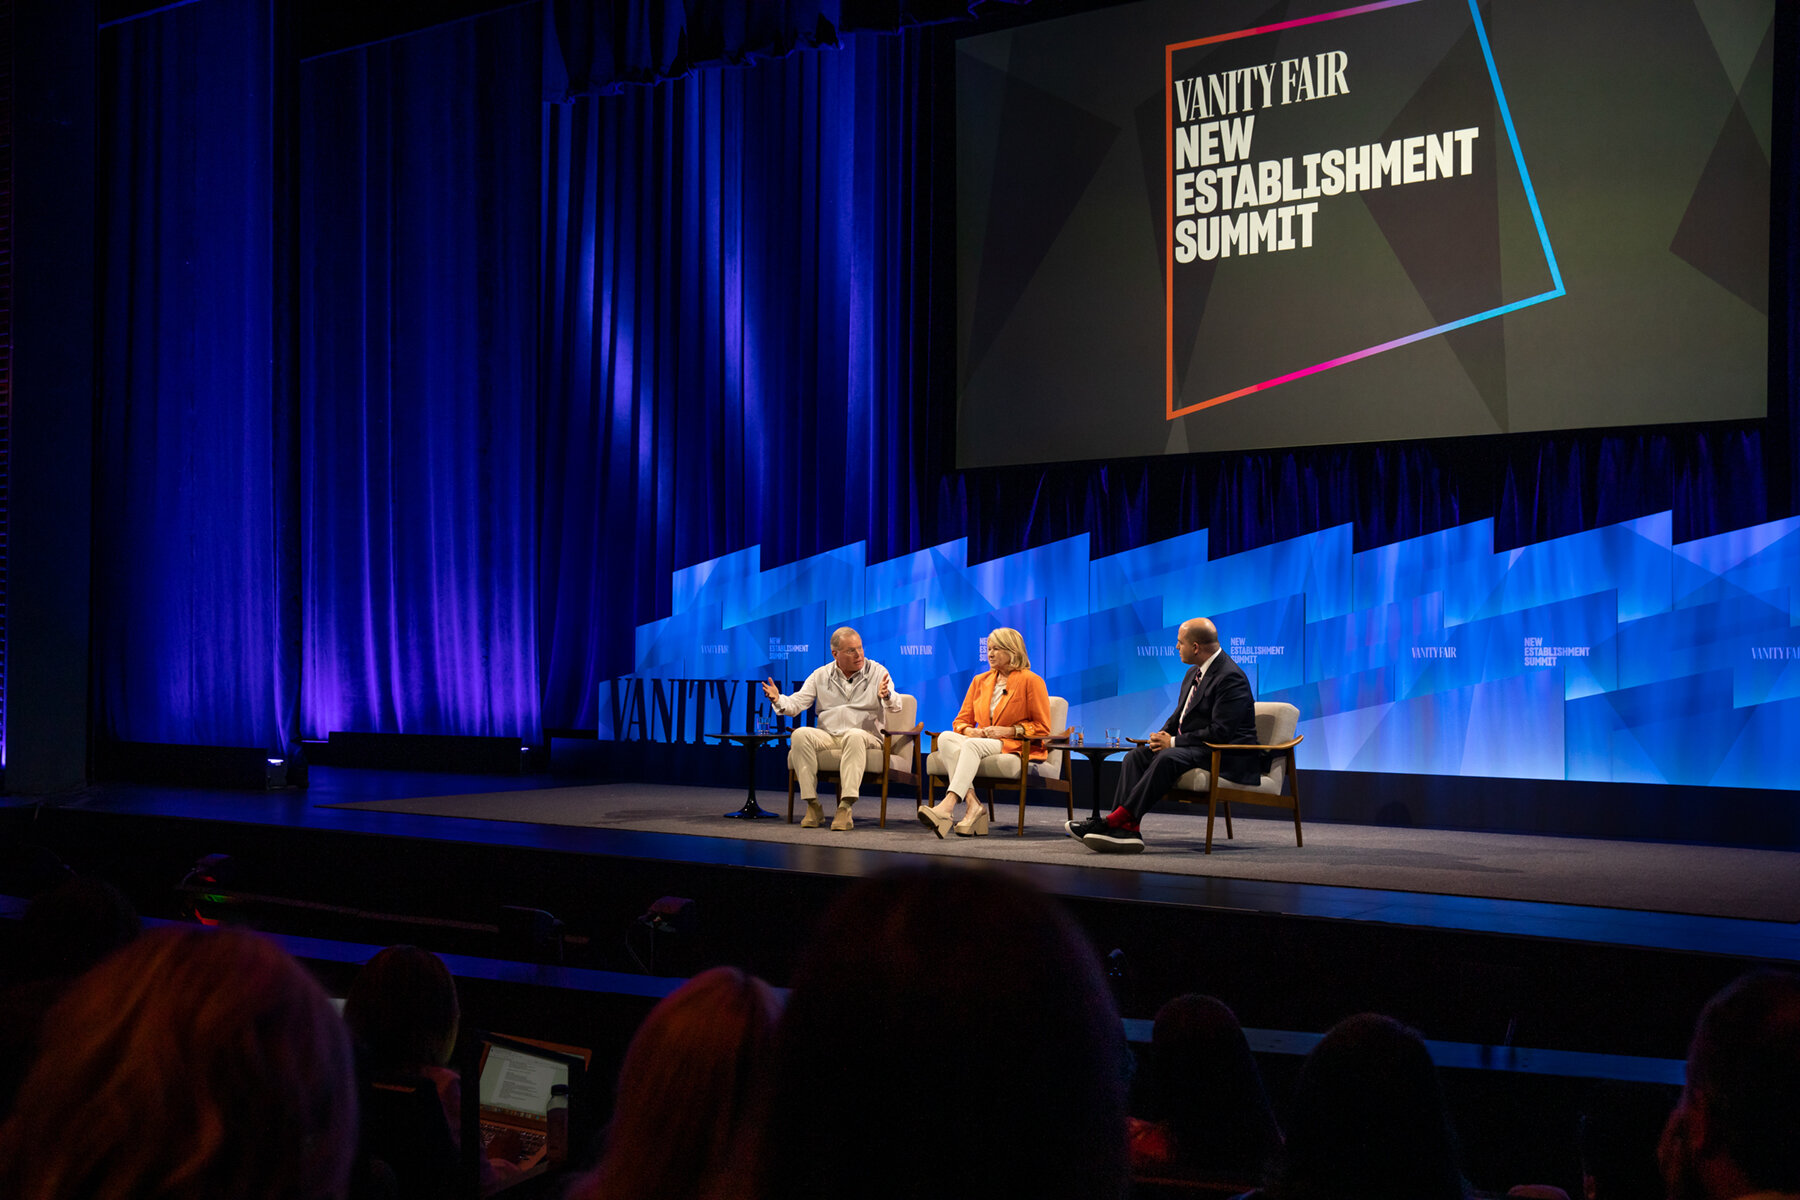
(916, 650)
(1144, 651)
(715, 649)
(1775, 652)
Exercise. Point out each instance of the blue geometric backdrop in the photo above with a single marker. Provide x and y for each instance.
(1611, 655)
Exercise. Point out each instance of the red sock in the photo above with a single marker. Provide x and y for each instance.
(1121, 818)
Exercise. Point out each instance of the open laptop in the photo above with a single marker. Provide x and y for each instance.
(514, 1077)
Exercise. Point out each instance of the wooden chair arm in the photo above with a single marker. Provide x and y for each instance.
(891, 737)
(1247, 746)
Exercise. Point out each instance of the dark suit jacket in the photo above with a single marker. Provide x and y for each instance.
(1224, 711)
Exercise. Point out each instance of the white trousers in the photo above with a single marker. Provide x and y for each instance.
(959, 757)
(852, 746)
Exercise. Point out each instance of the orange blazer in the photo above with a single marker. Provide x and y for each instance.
(1027, 703)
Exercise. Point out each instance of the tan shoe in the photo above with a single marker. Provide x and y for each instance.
(815, 816)
(842, 821)
(975, 824)
(935, 820)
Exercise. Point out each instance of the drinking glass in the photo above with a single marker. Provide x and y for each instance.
(1112, 736)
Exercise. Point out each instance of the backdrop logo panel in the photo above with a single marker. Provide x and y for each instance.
(1611, 655)
(1356, 172)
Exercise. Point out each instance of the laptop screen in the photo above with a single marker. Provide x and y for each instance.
(516, 1082)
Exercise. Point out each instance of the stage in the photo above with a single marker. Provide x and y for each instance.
(1646, 877)
(1577, 944)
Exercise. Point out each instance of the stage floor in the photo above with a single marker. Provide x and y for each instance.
(1704, 899)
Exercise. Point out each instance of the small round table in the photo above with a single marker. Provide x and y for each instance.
(750, 741)
(1096, 753)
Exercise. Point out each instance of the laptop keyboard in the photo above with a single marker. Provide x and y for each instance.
(530, 1140)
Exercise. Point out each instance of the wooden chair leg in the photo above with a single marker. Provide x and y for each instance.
(1022, 778)
(1212, 805)
(1294, 783)
(1228, 832)
(882, 823)
(790, 795)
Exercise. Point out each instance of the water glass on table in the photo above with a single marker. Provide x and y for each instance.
(1074, 735)
(1112, 736)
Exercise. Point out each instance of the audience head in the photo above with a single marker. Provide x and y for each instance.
(1617, 1136)
(1013, 643)
(1734, 1130)
(1208, 1090)
(948, 1035)
(1368, 1119)
(686, 1089)
(74, 925)
(197, 1063)
(403, 1010)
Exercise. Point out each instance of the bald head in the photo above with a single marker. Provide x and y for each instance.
(1197, 640)
(1201, 631)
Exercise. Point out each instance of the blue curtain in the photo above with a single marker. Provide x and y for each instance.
(734, 336)
(194, 586)
(418, 385)
(605, 46)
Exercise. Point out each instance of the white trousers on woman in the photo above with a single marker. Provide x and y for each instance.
(959, 757)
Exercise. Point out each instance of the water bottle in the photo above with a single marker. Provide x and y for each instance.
(556, 1126)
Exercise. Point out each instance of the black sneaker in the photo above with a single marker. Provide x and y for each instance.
(1085, 826)
(1109, 840)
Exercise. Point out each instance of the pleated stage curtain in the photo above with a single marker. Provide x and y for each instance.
(734, 336)
(194, 593)
(418, 382)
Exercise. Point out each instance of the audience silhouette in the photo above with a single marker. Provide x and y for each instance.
(948, 1035)
(1213, 1119)
(1368, 1120)
(686, 1090)
(205, 1064)
(1736, 1130)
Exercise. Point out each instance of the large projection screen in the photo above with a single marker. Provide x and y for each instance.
(1394, 220)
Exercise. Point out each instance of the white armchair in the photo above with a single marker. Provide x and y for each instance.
(1279, 786)
(1017, 771)
(896, 760)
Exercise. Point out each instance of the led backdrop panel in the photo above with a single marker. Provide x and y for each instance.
(1609, 655)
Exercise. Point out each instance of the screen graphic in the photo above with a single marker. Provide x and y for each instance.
(1198, 227)
(1610, 655)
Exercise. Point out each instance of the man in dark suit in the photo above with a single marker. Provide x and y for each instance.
(1215, 705)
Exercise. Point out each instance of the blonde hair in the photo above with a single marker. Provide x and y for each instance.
(194, 1062)
(687, 1090)
(1011, 641)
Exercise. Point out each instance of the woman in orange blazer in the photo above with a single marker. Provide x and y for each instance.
(1004, 704)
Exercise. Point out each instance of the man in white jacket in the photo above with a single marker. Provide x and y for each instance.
(853, 694)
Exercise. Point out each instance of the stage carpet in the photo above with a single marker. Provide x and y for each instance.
(1713, 881)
